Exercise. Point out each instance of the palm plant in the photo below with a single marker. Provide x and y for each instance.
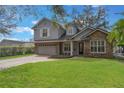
(116, 36)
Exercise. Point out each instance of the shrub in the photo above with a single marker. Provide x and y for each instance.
(11, 51)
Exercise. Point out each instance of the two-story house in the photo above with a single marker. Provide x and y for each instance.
(57, 40)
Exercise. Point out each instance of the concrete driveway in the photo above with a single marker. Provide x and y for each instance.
(23, 60)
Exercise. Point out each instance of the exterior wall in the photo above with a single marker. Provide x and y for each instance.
(48, 48)
(97, 36)
(54, 32)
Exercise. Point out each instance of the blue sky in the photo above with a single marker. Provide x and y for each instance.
(23, 30)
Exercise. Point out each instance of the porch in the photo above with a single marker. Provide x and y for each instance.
(71, 48)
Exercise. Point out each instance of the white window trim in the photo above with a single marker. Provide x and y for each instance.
(41, 32)
(70, 30)
(97, 46)
(64, 47)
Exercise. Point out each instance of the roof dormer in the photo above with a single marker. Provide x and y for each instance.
(71, 30)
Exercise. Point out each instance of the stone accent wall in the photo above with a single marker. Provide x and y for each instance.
(98, 35)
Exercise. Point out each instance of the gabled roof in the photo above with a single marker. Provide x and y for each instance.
(46, 19)
(83, 32)
(40, 22)
(88, 31)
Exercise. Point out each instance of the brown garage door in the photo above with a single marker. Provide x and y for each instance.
(47, 50)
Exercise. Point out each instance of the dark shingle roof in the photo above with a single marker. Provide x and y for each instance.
(84, 33)
(87, 31)
(46, 19)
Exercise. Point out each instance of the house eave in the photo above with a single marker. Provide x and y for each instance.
(51, 41)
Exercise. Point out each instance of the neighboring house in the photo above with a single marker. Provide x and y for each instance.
(118, 51)
(56, 40)
(13, 43)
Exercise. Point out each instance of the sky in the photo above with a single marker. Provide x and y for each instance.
(23, 31)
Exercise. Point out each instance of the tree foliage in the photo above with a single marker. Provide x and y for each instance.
(92, 18)
(59, 13)
(117, 34)
(10, 15)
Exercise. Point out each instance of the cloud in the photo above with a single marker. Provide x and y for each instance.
(34, 22)
(16, 39)
(23, 29)
(9, 38)
(12, 38)
(18, 30)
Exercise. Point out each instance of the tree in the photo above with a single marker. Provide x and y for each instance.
(101, 18)
(92, 18)
(7, 17)
(117, 33)
(116, 36)
(88, 16)
(10, 15)
(59, 13)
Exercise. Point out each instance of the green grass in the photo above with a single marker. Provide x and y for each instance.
(66, 73)
(11, 57)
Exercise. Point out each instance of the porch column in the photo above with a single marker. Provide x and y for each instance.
(71, 48)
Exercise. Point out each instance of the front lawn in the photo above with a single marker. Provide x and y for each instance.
(66, 73)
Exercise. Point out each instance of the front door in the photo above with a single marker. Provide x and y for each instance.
(81, 48)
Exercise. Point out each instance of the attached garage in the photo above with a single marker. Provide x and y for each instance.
(47, 49)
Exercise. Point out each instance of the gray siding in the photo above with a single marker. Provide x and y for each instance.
(54, 32)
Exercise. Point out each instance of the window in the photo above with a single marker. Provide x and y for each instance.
(67, 48)
(45, 32)
(70, 31)
(98, 46)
